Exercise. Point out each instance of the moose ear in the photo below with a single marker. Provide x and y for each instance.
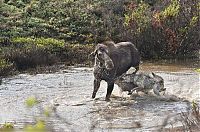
(94, 52)
(92, 55)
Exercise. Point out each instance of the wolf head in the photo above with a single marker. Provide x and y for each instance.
(158, 84)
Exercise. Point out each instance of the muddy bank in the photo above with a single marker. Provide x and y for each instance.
(69, 91)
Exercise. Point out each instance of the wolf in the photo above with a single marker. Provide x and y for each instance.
(141, 82)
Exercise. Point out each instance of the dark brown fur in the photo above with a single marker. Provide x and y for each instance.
(111, 61)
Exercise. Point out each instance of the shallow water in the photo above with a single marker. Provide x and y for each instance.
(68, 92)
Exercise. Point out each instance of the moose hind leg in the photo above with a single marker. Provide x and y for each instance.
(96, 87)
(109, 91)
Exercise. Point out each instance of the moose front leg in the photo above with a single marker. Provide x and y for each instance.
(96, 87)
(109, 90)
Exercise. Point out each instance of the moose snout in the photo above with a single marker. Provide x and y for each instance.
(109, 65)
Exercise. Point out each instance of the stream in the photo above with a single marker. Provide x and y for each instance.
(68, 93)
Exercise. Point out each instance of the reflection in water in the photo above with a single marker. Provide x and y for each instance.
(69, 91)
(171, 66)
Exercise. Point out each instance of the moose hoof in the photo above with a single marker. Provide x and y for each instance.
(93, 96)
(107, 99)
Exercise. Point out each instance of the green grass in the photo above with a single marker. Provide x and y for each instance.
(41, 42)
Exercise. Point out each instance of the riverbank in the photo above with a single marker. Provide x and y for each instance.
(19, 54)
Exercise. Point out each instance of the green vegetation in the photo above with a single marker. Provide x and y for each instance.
(165, 29)
(26, 52)
(197, 70)
(4, 63)
(38, 127)
(140, 17)
(5, 66)
(47, 112)
(31, 101)
(7, 127)
(44, 32)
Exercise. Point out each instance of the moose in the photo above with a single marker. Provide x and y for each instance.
(111, 61)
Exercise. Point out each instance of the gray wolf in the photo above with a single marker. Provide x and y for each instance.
(141, 82)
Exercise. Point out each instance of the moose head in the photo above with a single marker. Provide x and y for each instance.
(102, 57)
